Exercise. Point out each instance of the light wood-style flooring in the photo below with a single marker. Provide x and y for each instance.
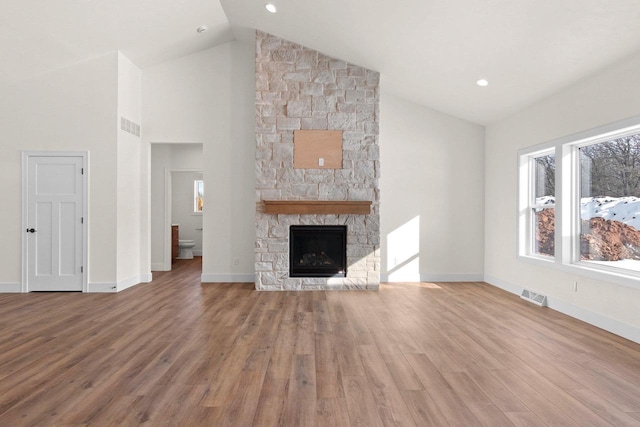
(178, 352)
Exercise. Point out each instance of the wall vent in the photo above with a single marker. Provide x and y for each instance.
(533, 297)
(128, 126)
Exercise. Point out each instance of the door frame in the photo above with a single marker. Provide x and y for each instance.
(168, 203)
(85, 210)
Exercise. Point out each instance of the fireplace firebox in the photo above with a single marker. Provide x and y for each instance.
(318, 251)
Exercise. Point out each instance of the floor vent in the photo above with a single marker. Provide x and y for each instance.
(535, 298)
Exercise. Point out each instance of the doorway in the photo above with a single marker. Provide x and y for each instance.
(183, 213)
(54, 221)
(168, 162)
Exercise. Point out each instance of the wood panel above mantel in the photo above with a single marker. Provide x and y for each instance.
(317, 207)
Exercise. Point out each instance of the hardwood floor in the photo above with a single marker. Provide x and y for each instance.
(176, 352)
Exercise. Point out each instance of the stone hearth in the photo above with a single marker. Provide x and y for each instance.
(299, 88)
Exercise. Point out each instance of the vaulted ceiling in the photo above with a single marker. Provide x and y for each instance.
(431, 52)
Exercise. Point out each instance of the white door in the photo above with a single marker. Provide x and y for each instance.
(54, 223)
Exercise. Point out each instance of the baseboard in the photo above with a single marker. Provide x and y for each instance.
(98, 287)
(197, 253)
(10, 288)
(158, 266)
(616, 327)
(128, 283)
(102, 287)
(399, 278)
(121, 285)
(505, 286)
(461, 277)
(414, 278)
(228, 278)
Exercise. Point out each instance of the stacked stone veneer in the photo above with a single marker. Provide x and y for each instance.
(299, 88)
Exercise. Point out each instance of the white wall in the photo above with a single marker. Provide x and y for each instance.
(611, 95)
(182, 208)
(432, 206)
(180, 97)
(72, 109)
(209, 98)
(132, 196)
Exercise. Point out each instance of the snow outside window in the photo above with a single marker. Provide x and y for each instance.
(579, 203)
(610, 202)
(543, 205)
(537, 204)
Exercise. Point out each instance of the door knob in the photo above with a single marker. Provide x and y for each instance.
(31, 230)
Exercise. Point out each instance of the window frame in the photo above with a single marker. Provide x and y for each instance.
(568, 203)
(527, 206)
(195, 196)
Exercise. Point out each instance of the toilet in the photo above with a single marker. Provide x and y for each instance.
(186, 247)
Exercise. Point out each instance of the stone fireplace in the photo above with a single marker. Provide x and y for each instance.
(301, 89)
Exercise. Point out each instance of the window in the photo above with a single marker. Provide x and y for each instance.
(579, 202)
(610, 203)
(543, 204)
(198, 195)
(537, 200)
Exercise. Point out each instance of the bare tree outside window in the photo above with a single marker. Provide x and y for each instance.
(544, 204)
(610, 200)
(611, 168)
(545, 176)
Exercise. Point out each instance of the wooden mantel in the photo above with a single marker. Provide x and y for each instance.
(322, 207)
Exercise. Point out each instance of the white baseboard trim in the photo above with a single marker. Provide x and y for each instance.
(110, 287)
(616, 327)
(128, 283)
(158, 266)
(462, 277)
(228, 278)
(399, 278)
(414, 278)
(102, 287)
(505, 286)
(10, 288)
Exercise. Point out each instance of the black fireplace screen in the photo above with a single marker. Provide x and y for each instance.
(318, 251)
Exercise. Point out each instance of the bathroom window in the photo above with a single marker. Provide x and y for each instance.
(198, 195)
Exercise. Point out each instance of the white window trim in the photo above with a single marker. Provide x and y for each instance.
(195, 212)
(567, 224)
(526, 198)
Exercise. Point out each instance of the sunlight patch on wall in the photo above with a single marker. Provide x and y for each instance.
(403, 252)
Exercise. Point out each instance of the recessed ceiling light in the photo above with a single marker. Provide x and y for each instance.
(202, 29)
(482, 82)
(271, 7)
